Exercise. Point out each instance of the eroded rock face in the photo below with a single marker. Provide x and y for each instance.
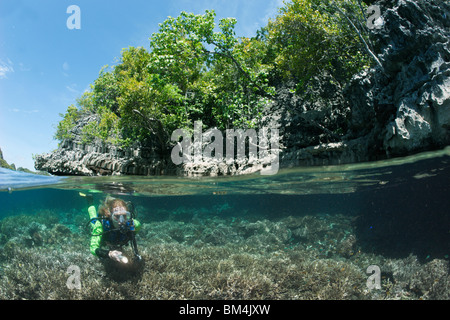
(396, 110)
(416, 59)
(404, 107)
(73, 158)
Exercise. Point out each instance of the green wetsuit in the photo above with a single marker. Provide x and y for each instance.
(97, 237)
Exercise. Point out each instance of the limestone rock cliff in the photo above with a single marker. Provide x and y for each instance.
(75, 158)
(409, 102)
(399, 109)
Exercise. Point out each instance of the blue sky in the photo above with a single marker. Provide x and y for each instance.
(45, 66)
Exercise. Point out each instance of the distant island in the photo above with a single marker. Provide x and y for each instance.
(12, 166)
(341, 81)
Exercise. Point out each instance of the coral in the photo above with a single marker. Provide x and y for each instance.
(211, 257)
(432, 281)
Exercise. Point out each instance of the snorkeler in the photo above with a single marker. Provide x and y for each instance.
(114, 227)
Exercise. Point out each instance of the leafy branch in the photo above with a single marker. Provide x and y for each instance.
(358, 32)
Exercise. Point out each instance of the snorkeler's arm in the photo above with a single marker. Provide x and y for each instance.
(137, 225)
(96, 237)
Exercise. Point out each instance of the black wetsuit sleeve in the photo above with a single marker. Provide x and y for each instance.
(102, 253)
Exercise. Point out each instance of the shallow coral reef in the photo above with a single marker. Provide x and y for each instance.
(208, 256)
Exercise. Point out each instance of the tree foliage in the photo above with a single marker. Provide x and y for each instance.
(65, 126)
(197, 70)
(314, 37)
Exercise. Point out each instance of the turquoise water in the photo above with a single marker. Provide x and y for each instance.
(304, 233)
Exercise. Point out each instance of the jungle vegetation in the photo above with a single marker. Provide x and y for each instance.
(196, 69)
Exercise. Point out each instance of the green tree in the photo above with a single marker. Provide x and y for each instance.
(148, 104)
(240, 93)
(213, 70)
(314, 37)
(104, 126)
(197, 70)
(106, 90)
(66, 125)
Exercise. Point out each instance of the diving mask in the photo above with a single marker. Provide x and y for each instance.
(120, 215)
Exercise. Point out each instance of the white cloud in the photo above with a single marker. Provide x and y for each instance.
(66, 68)
(16, 110)
(72, 88)
(5, 67)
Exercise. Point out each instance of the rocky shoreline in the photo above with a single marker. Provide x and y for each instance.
(396, 109)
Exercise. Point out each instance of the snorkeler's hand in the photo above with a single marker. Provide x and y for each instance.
(118, 256)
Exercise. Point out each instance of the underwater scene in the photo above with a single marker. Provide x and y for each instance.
(370, 231)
